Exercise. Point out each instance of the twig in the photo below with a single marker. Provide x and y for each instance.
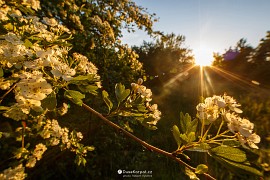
(143, 143)
(10, 89)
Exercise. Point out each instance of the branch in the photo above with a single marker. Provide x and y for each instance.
(143, 143)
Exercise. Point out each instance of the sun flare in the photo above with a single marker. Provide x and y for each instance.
(203, 57)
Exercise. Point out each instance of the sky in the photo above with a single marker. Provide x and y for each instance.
(208, 25)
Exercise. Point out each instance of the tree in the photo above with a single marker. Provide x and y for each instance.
(166, 56)
(47, 79)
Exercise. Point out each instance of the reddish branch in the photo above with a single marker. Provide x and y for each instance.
(143, 143)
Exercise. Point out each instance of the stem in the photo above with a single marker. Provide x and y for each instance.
(202, 129)
(220, 135)
(2, 97)
(23, 131)
(206, 132)
(143, 143)
(221, 124)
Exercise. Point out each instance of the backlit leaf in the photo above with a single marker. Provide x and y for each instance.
(176, 135)
(75, 96)
(191, 174)
(234, 159)
(50, 102)
(120, 92)
(201, 168)
(106, 99)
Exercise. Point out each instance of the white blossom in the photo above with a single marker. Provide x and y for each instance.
(64, 71)
(39, 151)
(16, 173)
(232, 104)
(50, 21)
(31, 162)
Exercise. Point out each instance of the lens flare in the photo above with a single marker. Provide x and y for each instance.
(203, 57)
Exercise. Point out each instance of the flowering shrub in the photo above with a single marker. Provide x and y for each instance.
(38, 70)
(36, 66)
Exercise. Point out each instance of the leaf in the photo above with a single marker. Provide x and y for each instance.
(120, 92)
(88, 89)
(229, 153)
(27, 43)
(107, 100)
(50, 102)
(191, 174)
(187, 138)
(191, 137)
(183, 122)
(234, 159)
(75, 96)
(82, 78)
(4, 108)
(176, 135)
(237, 167)
(186, 124)
(202, 147)
(231, 142)
(90, 148)
(201, 168)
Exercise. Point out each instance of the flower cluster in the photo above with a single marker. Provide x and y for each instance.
(243, 129)
(36, 155)
(84, 65)
(228, 108)
(147, 95)
(58, 135)
(35, 65)
(12, 50)
(13, 173)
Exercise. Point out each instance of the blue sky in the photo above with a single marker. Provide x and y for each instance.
(208, 25)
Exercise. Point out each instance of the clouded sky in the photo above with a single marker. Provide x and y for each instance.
(208, 25)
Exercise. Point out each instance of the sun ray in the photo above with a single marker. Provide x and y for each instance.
(181, 74)
(236, 78)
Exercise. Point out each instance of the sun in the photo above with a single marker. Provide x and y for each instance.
(203, 57)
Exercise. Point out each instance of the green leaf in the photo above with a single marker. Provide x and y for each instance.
(106, 99)
(202, 147)
(90, 148)
(201, 168)
(239, 168)
(234, 159)
(1, 72)
(229, 153)
(27, 43)
(130, 113)
(176, 135)
(75, 96)
(191, 137)
(4, 108)
(88, 89)
(183, 122)
(80, 160)
(187, 138)
(120, 92)
(186, 124)
(231, 142)
(50, 102)
(83, 78)
(191, 174)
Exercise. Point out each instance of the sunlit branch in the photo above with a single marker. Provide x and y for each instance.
(143, 143)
